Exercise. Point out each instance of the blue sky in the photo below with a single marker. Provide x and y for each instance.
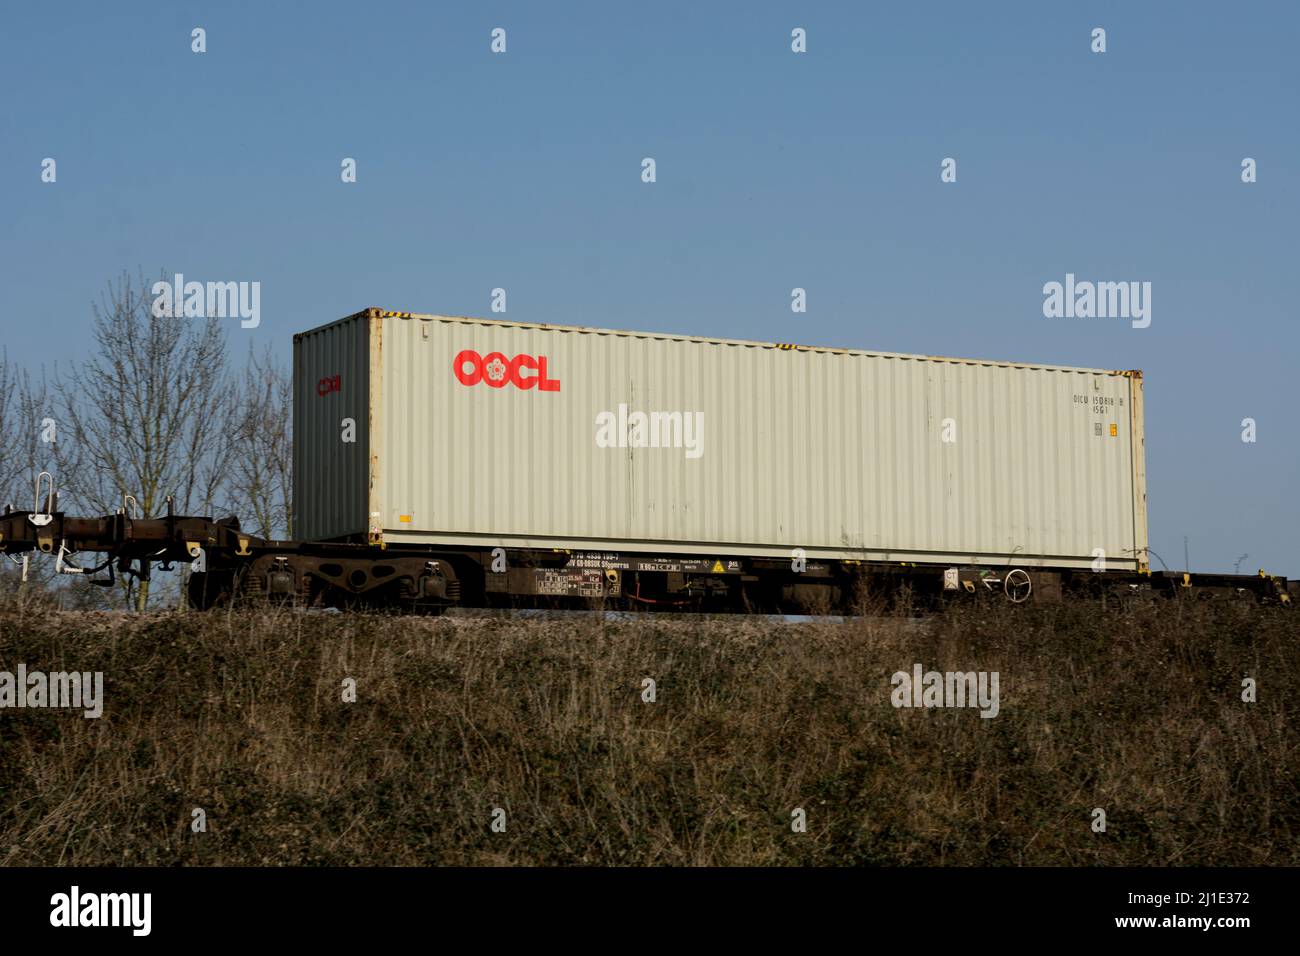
(775, 170)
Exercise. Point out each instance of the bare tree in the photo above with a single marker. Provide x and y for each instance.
(261, 468)
(28, 432)
(11, 458)
(148, 414)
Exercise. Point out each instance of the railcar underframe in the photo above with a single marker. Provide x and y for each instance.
(229, 565)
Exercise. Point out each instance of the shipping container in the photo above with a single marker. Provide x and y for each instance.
(479, 433)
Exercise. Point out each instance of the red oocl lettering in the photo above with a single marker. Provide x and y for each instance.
(543, 383)
(521, 362)
(475, 361)
(494, 368)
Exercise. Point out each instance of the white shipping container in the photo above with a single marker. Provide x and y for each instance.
(481, 433)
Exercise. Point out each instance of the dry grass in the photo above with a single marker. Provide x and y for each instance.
(1136, 711)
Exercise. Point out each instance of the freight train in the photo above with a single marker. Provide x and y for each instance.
(443, 461)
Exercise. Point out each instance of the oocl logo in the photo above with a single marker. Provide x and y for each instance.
(498, 371)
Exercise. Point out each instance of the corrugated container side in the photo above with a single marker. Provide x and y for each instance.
(845, 454)
(1137, 406)
(331, 383)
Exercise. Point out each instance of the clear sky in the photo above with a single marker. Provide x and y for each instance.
(774, 170)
